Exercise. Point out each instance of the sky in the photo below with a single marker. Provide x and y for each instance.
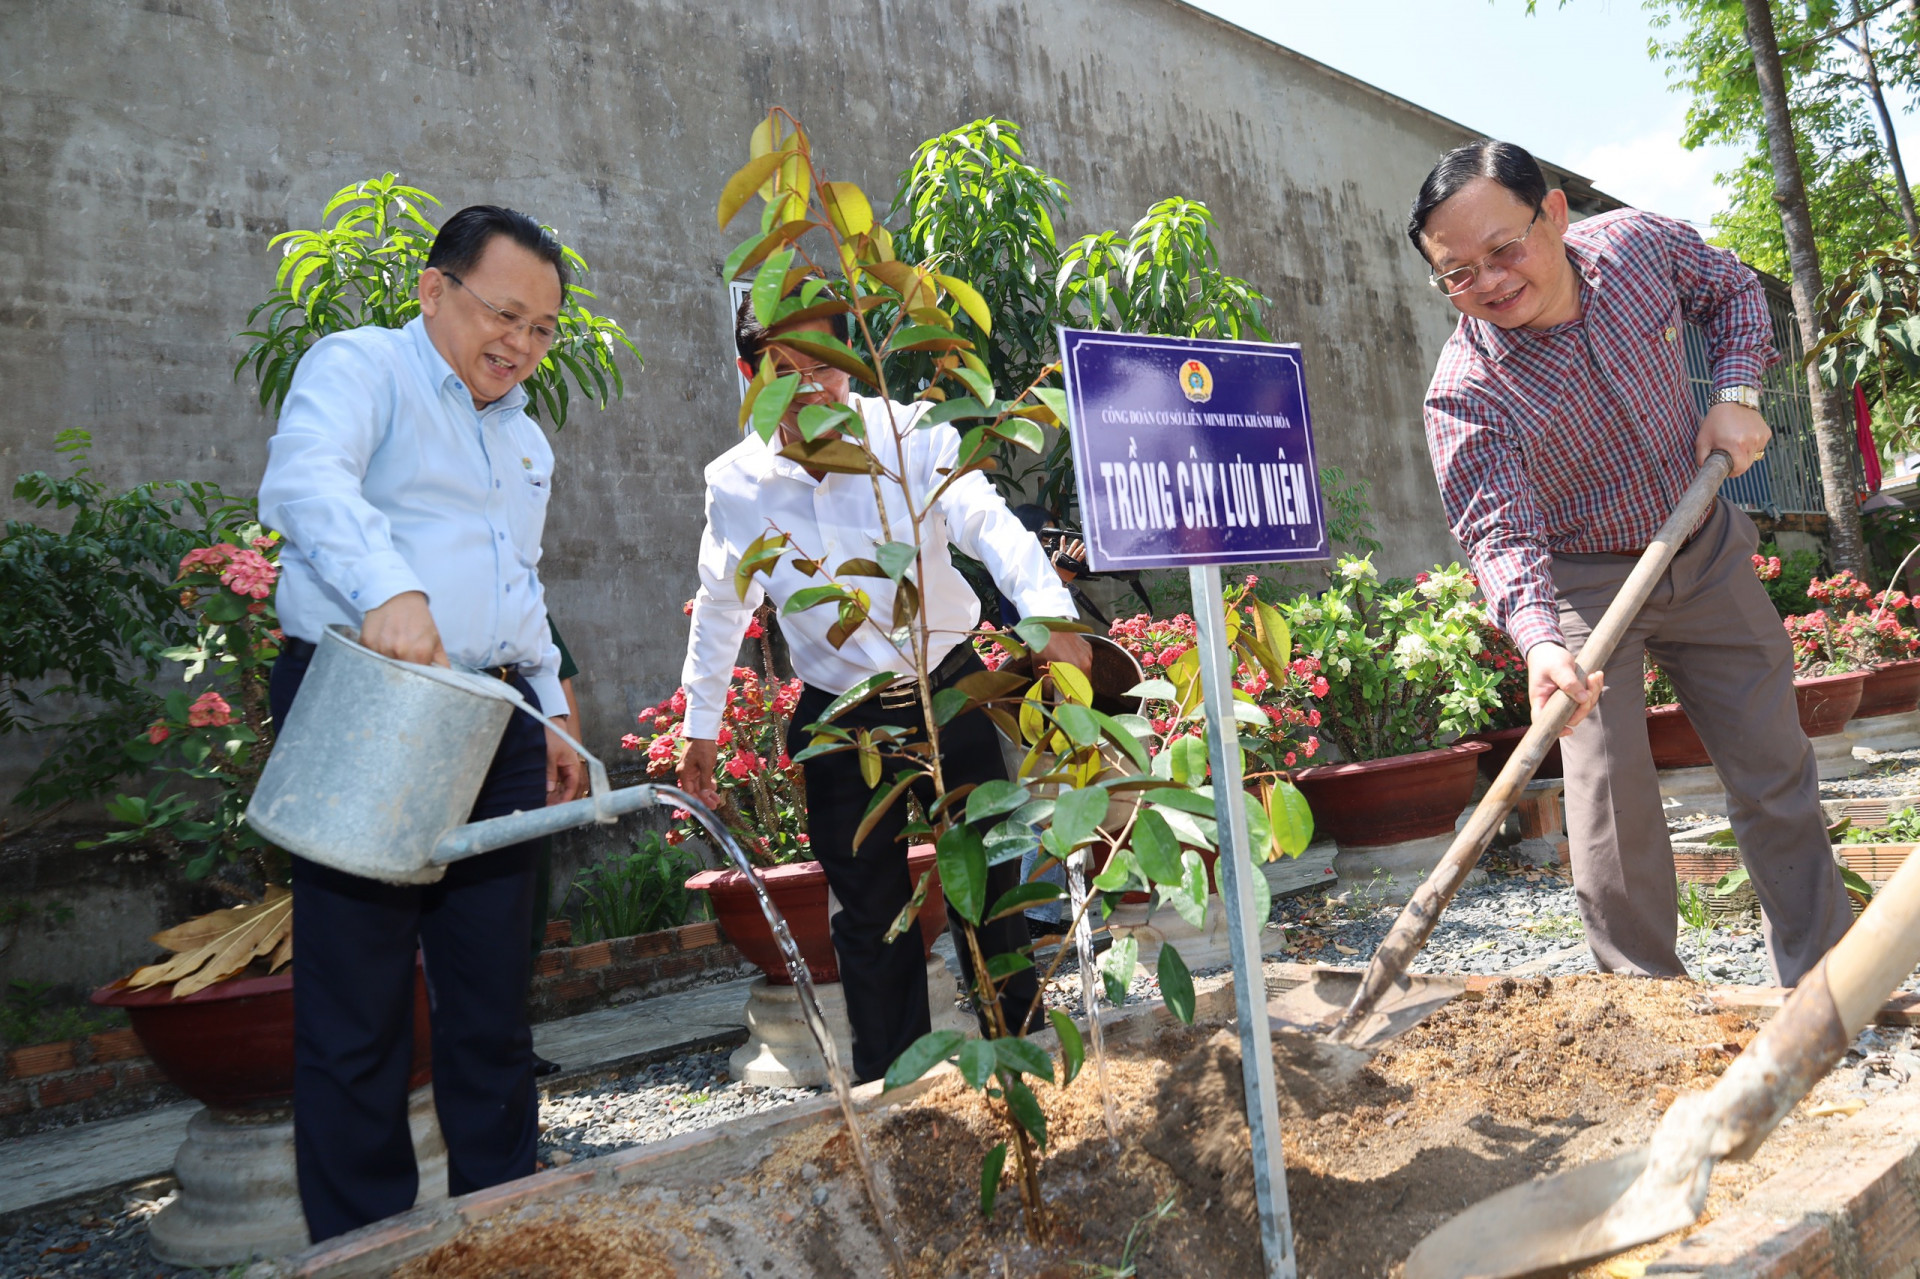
(1573, 84)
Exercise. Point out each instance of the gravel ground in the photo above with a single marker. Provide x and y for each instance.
(86, 1244)
(1891, 773)
(653, 1103)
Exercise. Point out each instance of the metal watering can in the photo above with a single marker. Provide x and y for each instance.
(379, 763)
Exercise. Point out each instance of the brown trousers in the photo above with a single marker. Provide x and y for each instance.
(1710, 625)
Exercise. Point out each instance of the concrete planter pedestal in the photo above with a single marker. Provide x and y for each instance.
(1897, 732)
(239, 1198)
(1693, 790)
(1404, 866)
(780, 1052)
(1833, 755)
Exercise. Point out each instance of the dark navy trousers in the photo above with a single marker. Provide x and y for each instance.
(353, 966)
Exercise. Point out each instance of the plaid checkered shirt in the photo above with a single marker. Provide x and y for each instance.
(1578, 439)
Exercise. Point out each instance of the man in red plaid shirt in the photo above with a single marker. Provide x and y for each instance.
(1563, 433)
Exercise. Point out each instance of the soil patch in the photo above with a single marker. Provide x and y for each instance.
(1534, 1077)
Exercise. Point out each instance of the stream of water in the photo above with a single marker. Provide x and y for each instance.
(803, 985)
(1089, 984)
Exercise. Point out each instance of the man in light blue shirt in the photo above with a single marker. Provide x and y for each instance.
(411, 488)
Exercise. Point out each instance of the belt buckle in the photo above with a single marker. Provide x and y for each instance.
(899, 695)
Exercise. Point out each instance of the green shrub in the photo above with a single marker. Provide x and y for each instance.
(641, 892)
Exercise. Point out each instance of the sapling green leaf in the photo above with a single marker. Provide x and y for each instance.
(1116, 968)
(947, 703)
(1156, 848)
(1022, 897)
(1032, 633)
(1290, 817)
(1155, 689)
(962, 859)
(1077, 815)
(1025, 1056)
(1010, 840)
(1118, 873)
(994, 799)
(1006, 964)
(1025, 1109)
(976, 1062)
(1073, 1050)
(768, 285)
(1189, 756)
(1079, 723)
(1189, 896)
(1176, 984)
(990, 1169)
(922, 1055)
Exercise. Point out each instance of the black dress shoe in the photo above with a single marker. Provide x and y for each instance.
(542, 1067)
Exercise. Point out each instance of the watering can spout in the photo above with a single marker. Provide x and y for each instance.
(516, 828)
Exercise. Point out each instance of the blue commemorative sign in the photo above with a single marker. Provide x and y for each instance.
(1191, 451)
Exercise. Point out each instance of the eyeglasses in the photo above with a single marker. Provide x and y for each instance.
(811, 376)
(542, 334)
(1507, 256)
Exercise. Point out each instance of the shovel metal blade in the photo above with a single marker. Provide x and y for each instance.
(1313, 1007)
(1551, 1225)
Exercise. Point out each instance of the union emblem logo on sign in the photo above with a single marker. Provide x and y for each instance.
(1196, 381)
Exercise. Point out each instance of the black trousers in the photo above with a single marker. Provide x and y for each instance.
(886, 985)
(353, 967)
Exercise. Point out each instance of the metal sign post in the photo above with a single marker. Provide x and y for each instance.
(1193, 453)
(1243, 926)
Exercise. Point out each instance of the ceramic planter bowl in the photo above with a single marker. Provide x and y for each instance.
(799, 891)
(1501, 743)
(1892, 689)
(1392, 800)
(1673, 739)
(230, 1046)
(1827, 702)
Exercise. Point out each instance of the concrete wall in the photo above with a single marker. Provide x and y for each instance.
(151, 148)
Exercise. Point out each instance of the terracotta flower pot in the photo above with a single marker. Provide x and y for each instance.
(1501, 744)
(1673, 739)
(1891, 689)
(230, 1046)
(799, 892)
(1392, 800)
(1874, 863)
(1827, 702)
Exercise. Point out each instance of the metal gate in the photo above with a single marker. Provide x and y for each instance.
(1787, 480)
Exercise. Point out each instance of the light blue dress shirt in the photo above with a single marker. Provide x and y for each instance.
(383, 478)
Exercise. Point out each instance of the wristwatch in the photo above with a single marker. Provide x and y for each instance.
(1747, 395)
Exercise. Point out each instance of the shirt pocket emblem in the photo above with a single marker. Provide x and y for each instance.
(1671, 333)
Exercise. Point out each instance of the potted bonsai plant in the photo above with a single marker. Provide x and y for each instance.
(1404, 681)
(1876, 639)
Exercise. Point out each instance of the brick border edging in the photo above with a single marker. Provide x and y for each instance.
(573, 979)
(44, 1083)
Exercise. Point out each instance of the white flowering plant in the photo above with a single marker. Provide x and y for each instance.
(1401, 663)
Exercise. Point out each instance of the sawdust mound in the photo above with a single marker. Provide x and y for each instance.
(1481, 1096)
(562, 1248)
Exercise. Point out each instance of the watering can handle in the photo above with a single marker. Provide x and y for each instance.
(599, 787)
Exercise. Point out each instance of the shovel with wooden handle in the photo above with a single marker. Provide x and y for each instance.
(1388, 968)
(1591, 1212)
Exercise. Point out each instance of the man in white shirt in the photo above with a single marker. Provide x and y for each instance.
(834, 517)
(412, 488)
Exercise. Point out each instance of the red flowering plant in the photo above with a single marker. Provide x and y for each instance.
(1859, 627)
(1288, 735)
(1499, 654)
(217, 730)
(764, 799)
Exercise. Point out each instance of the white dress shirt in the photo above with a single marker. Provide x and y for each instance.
(384, 478)
(750, 488)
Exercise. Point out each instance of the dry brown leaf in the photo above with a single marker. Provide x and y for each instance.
(283, 954)
(201, 929)
(251, 930)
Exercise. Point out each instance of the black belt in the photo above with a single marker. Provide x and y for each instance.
(905, 691)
